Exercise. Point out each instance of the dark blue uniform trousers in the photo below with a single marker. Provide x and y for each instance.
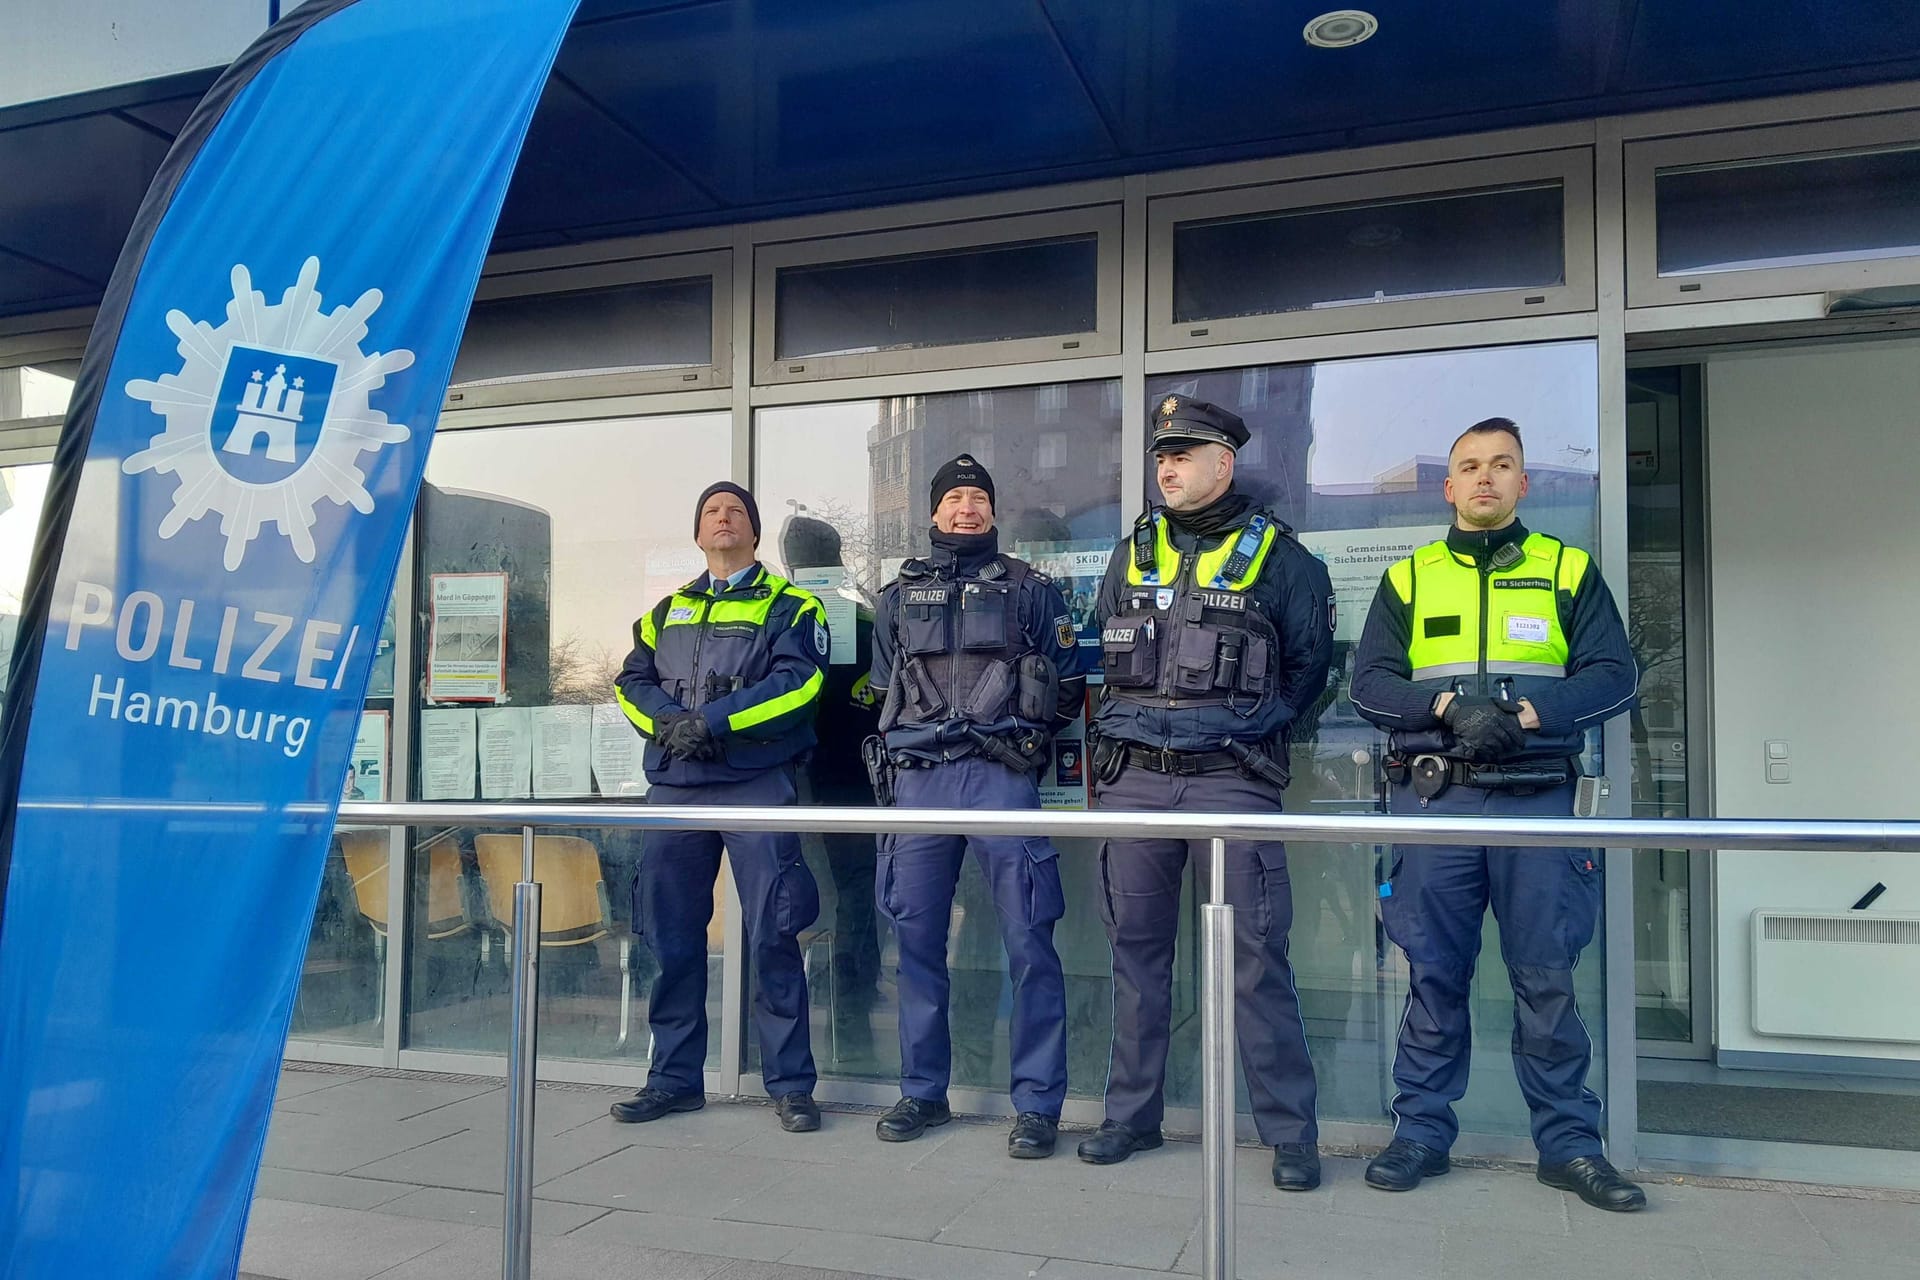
(1547, 903)
(673, 902)
(914, 889)
(1140, 902)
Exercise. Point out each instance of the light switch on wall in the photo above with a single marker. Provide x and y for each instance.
(1779, 767)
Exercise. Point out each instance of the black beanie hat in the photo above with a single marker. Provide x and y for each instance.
(963, 471)
(746, 500)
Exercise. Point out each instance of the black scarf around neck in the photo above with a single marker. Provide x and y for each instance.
(967, 552)
(1224, 514)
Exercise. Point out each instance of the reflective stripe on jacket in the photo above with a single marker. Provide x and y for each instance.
(750, 659)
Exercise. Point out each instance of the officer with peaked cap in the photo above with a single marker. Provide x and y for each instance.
(722, 682)
(1216, 632)
(977, 663)
(1488, 655)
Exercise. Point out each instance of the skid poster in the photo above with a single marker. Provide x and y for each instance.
(1076, 568)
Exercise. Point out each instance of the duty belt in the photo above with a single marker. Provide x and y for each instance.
(1180, 762)
(1432, 774)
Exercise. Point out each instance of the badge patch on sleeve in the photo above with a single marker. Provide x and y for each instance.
(1063, 629)
(820, 638)
(1333, 613)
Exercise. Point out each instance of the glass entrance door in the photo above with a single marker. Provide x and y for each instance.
(1666, 558)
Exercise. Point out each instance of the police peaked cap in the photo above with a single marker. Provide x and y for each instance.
(1181, 423)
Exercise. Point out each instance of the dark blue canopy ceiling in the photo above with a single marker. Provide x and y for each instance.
(672, 113)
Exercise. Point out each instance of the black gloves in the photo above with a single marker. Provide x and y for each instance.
(1484, 729)
(685, 734)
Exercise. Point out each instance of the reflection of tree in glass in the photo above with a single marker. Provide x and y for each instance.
(1656, 632)
(860, 549)
(583, 671)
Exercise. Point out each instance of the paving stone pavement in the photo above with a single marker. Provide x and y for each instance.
(368, 1174)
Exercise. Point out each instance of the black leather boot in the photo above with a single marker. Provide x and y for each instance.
(1595, 1181)
(1115, 1142)
(1404, 1164)
(911, 1117)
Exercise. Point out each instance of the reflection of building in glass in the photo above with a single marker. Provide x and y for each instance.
(1054, 452)
(1559, 499)
(1276, 403)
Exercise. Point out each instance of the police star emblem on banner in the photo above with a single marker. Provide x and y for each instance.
(269, 413)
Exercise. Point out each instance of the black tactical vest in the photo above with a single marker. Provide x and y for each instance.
(959, 644)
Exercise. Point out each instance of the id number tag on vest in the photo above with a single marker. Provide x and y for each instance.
(1526, 630)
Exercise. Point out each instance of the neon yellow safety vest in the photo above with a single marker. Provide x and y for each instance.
(1466, 625)
(1209, 569)
(707, 644)
(1189, 632)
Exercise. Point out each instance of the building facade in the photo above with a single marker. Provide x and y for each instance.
(1702, 318)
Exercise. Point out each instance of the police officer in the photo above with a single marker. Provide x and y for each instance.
(1216, 633)
(722, 682)
(1488, 655)
(976, 661)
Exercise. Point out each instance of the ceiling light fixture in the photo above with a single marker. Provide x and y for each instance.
(1341, 29)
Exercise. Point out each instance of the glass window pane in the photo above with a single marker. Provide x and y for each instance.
(663, 324)
(846, 486)
(988, 294)
(37, 390)
(1352, 453)
(23, 493)
(1308, 259)
(1662, 410)
(342, 992)
(1787, 213)
(542, 520)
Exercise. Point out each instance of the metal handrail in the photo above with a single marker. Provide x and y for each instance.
(1217, 1044)
(1617, 833)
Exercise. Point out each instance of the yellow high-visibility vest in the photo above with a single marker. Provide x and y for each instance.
(1502, 623)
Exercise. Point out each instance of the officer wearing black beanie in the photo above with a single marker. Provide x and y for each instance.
(962, 472)
(746, 500)
(977, 664)
(723, 682)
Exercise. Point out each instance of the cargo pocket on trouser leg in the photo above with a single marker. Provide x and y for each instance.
(1046, 900)
(1393, 896)
(884, 900)
(796, 899)
(1105, 887)
(1273, 905)
(1580, 901)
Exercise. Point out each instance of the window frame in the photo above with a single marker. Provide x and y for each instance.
(1101, 221)
(1571, 167)
(535, 388)
(1863, 135)
(32, 346)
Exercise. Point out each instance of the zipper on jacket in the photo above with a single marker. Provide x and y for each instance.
(1486, 607)
(699, 638)
(1181, 587)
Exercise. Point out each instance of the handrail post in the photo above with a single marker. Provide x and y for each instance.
(1217, 1044)
(516, 1236)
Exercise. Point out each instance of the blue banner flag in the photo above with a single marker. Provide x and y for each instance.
(228, 505)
